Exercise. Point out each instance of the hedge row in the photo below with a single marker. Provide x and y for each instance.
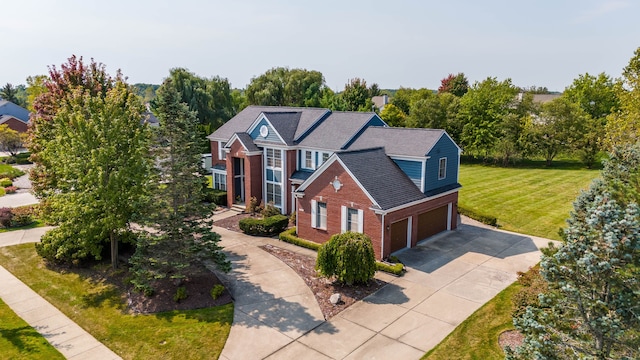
(265, 226)
(483, 218)
(218, 197)
(289, 236)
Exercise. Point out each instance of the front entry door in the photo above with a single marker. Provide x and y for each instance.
(238, 180)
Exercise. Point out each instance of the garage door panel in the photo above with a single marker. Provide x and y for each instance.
(399, 235)
(432, 222)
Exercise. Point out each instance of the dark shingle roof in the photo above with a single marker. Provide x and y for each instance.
(398, 141)
(336, 130)
(381, 177)
(285, 123)
(243, 120)
(301, 175)
(247, 141)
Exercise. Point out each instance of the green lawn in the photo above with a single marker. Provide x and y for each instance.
(99, 308)
(477, 336)
(534, 201)
(18, 340)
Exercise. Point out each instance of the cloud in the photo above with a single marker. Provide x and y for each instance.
(601, 9)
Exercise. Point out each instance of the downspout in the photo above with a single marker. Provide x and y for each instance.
(383, 228)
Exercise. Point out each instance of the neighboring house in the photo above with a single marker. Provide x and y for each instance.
(540, 98)
(340, 171)
(14, 123)
(380, 101)
(15, 116)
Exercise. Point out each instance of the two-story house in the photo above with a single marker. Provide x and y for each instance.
(340, 171)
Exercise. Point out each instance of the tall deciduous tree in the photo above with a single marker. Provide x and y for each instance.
(10, 140)
(560, 125)
(393, 116)
(436, 111)
(623, 126)
(482, 111)
(591, 307)
(92, 159)
(287, 87)
(357, 96)
(180, 240)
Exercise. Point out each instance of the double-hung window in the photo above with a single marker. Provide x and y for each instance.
(442, 168)
(273, 177)
(318, 215)
(352, 220)
(220, 181)
(307, 159)
(324, 156)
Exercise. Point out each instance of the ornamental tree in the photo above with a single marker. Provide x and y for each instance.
(92, 160)
(349, 257)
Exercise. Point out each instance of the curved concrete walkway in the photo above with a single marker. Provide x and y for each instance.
(66, 336)
(448, 278)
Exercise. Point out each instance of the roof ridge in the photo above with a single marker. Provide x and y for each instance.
(373, 148)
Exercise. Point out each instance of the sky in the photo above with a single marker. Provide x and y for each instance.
(408, 43)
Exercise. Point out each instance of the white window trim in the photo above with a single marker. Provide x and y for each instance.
(444, 176)
(282, 205)
(314, 214)
(221, 153)
(213, 178)
(304, 160)
(344, 211)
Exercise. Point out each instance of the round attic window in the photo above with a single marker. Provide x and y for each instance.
(336, 184)
(264, 131)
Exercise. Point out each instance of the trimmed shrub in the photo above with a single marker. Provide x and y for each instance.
(2, 191)
(349, 257)
(265, 226)
(22, 216)
(6, 215)
(483, 218)
(532, 285)
(214, 196)
(289, 236)
(181, 294)
(216, 291)
(269, 211)
(10, 172)
(395, 269)
(4, 182)
(10, 189)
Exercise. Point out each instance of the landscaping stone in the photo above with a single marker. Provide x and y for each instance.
(335, 299)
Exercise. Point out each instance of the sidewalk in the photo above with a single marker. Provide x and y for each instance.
(66, 336)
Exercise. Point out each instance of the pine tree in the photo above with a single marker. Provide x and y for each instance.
(179, 241)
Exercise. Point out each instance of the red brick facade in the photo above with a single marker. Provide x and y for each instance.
(214, 154)
(352, 196)
(252, 173)
(16, 124)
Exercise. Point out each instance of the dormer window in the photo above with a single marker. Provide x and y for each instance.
(442, 168)
(307, 160)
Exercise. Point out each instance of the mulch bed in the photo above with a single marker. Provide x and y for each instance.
(198, 289)
(231, 223)
(511, 338)
(323, 288)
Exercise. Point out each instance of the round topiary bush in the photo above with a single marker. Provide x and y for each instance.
(349, 257)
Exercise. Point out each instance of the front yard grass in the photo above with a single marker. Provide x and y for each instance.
(18, 340)
(477, 336)
(99, 307)
(533, 201)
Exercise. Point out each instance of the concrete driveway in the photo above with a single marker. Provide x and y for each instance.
(448, 278)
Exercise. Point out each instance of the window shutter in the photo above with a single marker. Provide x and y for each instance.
(314, 214)
(343, 222)
(360, 221)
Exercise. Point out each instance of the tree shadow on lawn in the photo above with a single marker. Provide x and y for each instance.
(264, 308)
(23, 338)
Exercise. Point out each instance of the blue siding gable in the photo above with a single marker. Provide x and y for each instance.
(272, 136)
(444, 148)
(413, 169)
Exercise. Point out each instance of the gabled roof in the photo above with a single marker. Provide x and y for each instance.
(377, 175)
(337, 130)
(246, 141)
(399, 141)
(285, 123)
(245, 118)
(5, 118)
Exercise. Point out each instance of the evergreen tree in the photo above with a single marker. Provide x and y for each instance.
(592, 307)
(180, 240)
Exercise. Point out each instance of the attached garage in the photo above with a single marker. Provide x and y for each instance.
(432, 222)
(399, 234)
